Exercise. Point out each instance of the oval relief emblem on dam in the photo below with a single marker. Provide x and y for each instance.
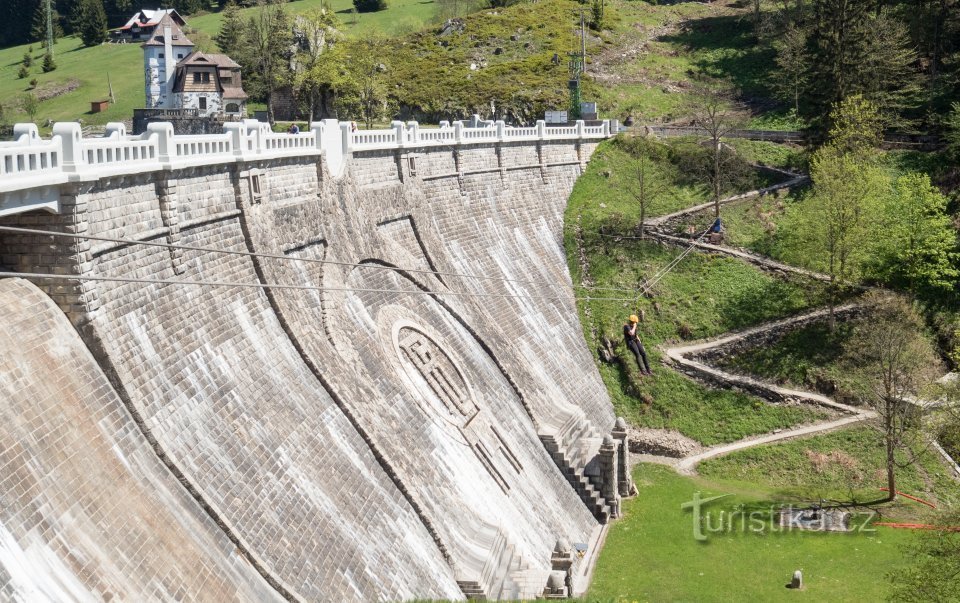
(434, 373)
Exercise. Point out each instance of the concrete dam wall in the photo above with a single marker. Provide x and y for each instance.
(413, 414)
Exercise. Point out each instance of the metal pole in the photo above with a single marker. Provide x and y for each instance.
(50, 27)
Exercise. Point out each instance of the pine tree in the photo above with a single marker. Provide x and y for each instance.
(230, 36)
(48, 63)
(91, 20)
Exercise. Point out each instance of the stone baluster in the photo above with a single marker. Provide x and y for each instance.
(238, 136)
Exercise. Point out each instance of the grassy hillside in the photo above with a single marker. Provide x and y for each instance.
(82, 72)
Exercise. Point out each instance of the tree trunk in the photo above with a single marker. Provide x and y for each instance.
(891, 468)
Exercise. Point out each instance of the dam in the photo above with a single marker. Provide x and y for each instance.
(329, 366)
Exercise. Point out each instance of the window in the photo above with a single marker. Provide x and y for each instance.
(206, 77)
(203, 102)
(161, 55)
(179, 55)
(196, 78)
(233, 108)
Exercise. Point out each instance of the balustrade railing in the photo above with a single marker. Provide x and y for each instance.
(30, 161)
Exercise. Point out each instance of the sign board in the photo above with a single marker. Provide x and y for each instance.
(556, 117)
(588, 108)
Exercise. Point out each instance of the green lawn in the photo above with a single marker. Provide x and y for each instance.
(651, 555)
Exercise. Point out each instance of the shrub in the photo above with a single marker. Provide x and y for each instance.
(369, 6)
(27, 59)
(48, 63)
(23, 72)
(33, 83)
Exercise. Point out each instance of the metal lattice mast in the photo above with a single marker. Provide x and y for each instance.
(577, 66)
(50, 27)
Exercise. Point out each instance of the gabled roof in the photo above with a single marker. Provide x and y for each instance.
(147, 17)
(179, 39)
(210, 59)
(222, 63)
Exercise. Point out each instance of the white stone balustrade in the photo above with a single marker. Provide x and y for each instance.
(30, 162)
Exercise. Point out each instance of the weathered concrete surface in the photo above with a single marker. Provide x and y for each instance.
(357, 445)
(86, 509)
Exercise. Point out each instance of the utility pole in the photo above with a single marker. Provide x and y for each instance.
(578, 62)
(50, 27)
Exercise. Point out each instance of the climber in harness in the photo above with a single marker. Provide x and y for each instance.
(635, 345)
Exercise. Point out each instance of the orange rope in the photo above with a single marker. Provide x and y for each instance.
(921, 501)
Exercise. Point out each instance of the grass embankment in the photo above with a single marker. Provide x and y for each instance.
(704, 296)
(651, 555)
(651, 51)
(841, 465)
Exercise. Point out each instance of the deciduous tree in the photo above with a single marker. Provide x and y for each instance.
(917, 244)
(266, 53)
(716, 112)
(894, 363)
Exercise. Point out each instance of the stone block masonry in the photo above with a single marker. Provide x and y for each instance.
(351, 442)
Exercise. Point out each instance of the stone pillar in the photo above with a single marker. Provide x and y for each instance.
(541, 136)
(170, 215)
(346, 135)
(71, 140)
(555, 588)
(458, 132)
(413, 132)
(166, 150)
(561, 560)
(238, 135)
(625, 485)
(608, 475)
(115, 129)
(401, 133)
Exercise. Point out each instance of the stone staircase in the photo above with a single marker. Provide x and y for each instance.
(505, 575)
(573, 447)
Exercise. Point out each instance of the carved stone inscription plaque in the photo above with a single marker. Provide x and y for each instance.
(427, 358)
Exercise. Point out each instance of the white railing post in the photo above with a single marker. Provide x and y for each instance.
(25, 129)
(606, 128)
(115, 127)
(458, 132)
(346, 135)
(581, 128)
(399, 130)
(413, 128)
(501, 127)
(71, 141)
(541, 129)
(614, 127)
(238, 134)
(166, 150)
(317, 128)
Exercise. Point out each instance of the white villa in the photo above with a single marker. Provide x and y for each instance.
(177, 77)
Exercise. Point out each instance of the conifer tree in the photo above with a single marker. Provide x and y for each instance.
(90, 20)
(230, 37)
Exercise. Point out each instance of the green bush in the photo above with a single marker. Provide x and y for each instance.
(27, 59)
(48, 63)
(23, 72)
